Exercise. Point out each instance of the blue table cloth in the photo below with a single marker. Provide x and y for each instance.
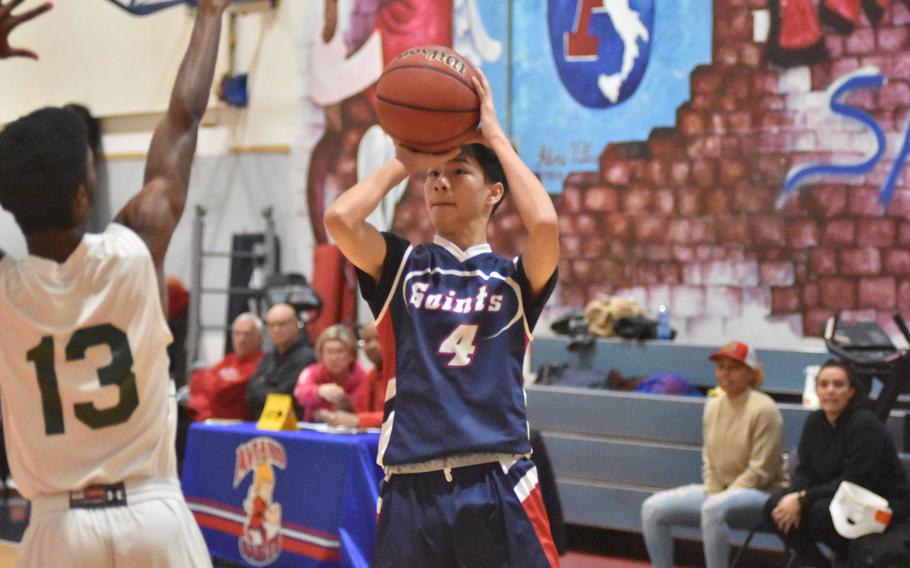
(304, 498)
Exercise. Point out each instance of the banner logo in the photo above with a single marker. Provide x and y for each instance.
(260, 542)
(601, 47)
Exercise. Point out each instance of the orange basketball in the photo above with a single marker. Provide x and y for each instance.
(425, 99)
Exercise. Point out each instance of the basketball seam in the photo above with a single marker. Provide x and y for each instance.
(434, 70)
(428, 109)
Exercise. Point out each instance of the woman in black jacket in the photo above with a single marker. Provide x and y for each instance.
(843, 440)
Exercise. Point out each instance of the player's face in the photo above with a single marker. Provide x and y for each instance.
(245, 338)
(456, 193)
(834, 391)
(732, 376)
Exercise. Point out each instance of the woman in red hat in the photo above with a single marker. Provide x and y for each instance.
(742, 463)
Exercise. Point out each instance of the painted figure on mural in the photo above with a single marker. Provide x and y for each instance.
(263, 515)
(356, 40)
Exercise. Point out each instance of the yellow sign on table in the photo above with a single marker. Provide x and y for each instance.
(278, 413)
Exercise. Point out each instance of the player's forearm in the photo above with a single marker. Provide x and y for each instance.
(534, 206)
(190, 95)
(352, 207)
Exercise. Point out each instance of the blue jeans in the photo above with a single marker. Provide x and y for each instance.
(691, 506)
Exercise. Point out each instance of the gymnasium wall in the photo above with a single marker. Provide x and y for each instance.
(667, 162)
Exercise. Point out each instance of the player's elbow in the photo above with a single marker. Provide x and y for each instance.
(335, 220)
(180, 115)
(545, 226)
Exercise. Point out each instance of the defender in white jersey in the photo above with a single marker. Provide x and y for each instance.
(454, 318)
(88, 408)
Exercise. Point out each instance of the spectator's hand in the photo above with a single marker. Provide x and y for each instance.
(787, 513)
(342, 418)
(8, 23)
(332, 393)
(344, 402)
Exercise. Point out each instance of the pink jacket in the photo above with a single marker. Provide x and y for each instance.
(306, 391)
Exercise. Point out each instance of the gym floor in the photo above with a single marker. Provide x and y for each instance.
(588, 548)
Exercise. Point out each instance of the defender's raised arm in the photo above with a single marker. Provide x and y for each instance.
(155, 211)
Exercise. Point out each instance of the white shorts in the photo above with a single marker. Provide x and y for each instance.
(154, 529)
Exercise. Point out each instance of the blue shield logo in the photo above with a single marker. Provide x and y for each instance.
(601, 47)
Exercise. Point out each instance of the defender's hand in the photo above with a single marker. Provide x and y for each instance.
(8, 23)
(219, 5)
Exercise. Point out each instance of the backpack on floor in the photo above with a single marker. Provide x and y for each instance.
(890, 549)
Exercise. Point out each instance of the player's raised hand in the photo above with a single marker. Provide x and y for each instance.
(420, 161)
(219, 5)
(488, 127)
(8, 23)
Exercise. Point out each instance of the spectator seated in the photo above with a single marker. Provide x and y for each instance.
(336, 381)
(218, 392)
(279, 368)
(612, 449)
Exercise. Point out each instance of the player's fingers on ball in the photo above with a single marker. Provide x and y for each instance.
(483, 80)
(477, 86)
(449, 155)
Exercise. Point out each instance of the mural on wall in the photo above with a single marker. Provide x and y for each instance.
(614, 70)
(346, 56)
(699, 216)
(750, 179)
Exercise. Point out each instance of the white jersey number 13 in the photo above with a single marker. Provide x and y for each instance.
(118, 373)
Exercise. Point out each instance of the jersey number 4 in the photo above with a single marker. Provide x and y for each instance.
(118, 373)
(460, 343)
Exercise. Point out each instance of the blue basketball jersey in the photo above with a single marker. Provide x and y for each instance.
(454, 326)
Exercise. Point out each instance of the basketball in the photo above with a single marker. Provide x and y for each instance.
(425, 99)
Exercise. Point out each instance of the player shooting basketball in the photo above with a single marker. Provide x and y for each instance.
(88, 417)
(454, 320)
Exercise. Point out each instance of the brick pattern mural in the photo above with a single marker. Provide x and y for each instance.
(688, 217)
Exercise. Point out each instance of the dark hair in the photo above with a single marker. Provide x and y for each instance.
(92, 127)
(492, 169)
(858, 386)
(43, 161)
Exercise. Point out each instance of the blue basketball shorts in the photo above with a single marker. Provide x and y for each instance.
(489, 515)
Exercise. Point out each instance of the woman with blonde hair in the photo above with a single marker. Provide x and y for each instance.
(336, 380)
(742, 463)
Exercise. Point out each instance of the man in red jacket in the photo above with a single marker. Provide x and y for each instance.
(218, 392)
